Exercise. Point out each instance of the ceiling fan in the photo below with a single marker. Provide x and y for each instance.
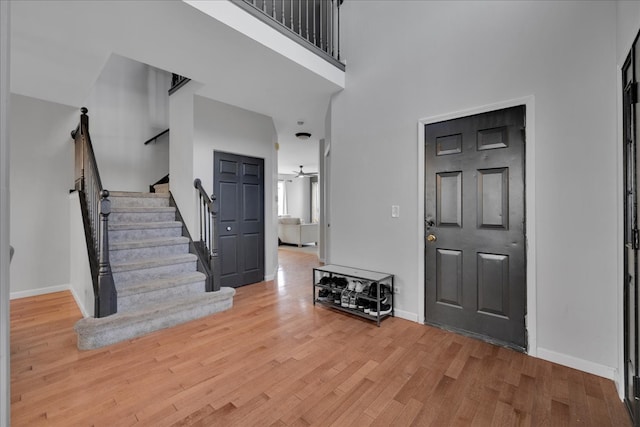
(302, 174)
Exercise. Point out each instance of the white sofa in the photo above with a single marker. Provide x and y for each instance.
(291, 230)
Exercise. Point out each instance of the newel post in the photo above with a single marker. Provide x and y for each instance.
(108, 302)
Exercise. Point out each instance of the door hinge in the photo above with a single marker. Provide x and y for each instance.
(633, 93)
(636, 387)
(636, 239)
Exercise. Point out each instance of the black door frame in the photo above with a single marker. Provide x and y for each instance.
(530, 228)
(631, 235)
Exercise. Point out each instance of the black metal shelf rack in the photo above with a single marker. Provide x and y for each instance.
(382, 279)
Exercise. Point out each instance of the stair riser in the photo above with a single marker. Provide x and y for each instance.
(143, 234)
(120, 217)
(133, 302)
(144, 274)
(124, 255)
(139, 202)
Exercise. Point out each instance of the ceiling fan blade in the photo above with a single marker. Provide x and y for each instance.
(302, 174)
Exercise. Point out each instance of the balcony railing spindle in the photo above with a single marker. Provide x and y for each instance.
(316, 24)
(208, 235)
(306, 13)
(320, 11)
(299, 17)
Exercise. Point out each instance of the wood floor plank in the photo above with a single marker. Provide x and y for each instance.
(276, 359)
(388, 414)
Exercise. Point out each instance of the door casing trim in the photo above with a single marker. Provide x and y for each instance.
(619, 374)
(530, 192)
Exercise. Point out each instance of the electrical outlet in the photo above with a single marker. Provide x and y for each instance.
(395, 211)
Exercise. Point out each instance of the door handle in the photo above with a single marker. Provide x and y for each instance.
(228, 228)
(432, 238)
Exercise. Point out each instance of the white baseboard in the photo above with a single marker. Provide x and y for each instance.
(407, 315)
(577, 363)
(39, 291)
(79, 303)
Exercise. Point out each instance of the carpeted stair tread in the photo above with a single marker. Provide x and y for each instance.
(134, 194)
(129, 231)
(136, 213)
(123, 199)
(143, 225)
(98, 332)
(143, 209)
(126, 289)
(152, 262)
(148, 243)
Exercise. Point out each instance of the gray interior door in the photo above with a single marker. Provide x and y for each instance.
(631, 130)
(475, 225)
(239, 191)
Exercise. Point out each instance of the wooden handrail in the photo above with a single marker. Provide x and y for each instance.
(96, 207)
(156, 137)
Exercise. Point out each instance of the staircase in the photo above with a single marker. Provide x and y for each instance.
(155, 276)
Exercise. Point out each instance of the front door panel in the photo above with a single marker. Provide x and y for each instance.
(475, 225)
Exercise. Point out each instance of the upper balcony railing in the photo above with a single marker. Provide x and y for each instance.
(314, 24)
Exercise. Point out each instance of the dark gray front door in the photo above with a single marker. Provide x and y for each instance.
(631, 131)
(239, 190)
(475, 225)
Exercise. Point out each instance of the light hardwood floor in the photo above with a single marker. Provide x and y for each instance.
(275, 359)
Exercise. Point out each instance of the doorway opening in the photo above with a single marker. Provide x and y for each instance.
(298, 214)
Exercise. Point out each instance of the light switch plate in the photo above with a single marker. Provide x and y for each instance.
(395, 211)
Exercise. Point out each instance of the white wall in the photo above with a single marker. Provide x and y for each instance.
(42, 152)
(440, 57)
(181, 153)
(222, 127)
(5, 343)
(299, 198)
(128, 105)
(628, 25)
(628, 20)
(80, 281)
(325, 190)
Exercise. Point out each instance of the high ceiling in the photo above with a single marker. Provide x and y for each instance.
(58, 49)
